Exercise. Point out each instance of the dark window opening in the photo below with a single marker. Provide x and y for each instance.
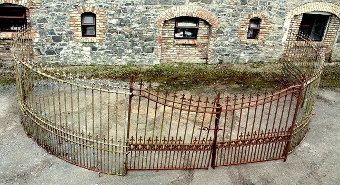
(12, 18)
(253, 28)
(88, 24)
(186, 28)
(314, 26)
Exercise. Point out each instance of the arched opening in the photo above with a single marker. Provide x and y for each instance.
(88, 24)
(186, 34)
(12, 17)
(314, 25)
(320, 22)
(254, 28)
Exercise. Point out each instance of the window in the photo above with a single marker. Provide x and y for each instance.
(88, 24)
(186, 28)
(12, 17)
(314, 25)
(253, 28)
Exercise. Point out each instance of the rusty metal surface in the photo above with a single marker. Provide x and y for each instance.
(303, 59)
(180, 132)
(115, 127)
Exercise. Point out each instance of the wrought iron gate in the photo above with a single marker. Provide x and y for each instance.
(113, 127)
(180, 132)
(256, 128)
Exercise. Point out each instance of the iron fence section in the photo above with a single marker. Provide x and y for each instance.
(81, 121)
(303, 59)
(114, 127)
(174, 131)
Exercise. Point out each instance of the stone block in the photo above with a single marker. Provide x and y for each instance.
(56, 38)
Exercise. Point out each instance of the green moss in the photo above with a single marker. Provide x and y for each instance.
(186, 76)
(331, 75)
(6, 79)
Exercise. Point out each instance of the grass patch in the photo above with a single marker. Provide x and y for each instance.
(7, 78)
(186, 76)
(331, 75)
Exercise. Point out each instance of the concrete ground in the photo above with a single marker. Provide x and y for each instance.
(315, 161)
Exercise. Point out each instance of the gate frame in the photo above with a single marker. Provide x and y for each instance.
(41, 130)
(218, 108)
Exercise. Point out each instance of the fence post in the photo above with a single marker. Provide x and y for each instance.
(217, 120)
(129, 121)
(296, 112)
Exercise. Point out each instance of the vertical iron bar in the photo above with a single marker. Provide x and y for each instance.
(93, 127)
(251, 147)
(267, 122)
(108, 132)
(100, 130)
(222, 155)
(65, 106)
(237, 150)
(178, 126)
(246, 126)
(217, 120)
(59, 105)
(185, 130)
(164, 110)
(171, 115)
(92, 112)
(116, 125)
(231, 131)
(86, 133)
(72, 124)
(131, 88)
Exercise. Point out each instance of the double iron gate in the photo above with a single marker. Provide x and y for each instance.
(178, 132)
(135, 127)
(113, 127)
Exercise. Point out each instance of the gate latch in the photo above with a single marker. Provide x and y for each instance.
(207, 128)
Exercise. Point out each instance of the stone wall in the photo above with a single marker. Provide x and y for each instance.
(130, 31)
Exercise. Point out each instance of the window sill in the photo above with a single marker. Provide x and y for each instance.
(7, 35)
(89, 39)
(303, 43)
(252, 41)
(186, 41)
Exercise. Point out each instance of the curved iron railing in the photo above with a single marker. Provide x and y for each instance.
(113, 127)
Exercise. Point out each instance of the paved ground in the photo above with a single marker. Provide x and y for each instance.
(315, 161)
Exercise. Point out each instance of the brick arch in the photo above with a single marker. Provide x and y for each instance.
(75, 22)
(294, 18)
(316, 6)
(89, 8)
(191, 11)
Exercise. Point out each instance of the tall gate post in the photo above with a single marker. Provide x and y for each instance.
(217, 120)
(131, 88)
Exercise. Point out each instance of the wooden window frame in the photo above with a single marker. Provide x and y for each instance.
(182, 29)
(308, 23)
(85, 26)
(12, 18)
(254, 28)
